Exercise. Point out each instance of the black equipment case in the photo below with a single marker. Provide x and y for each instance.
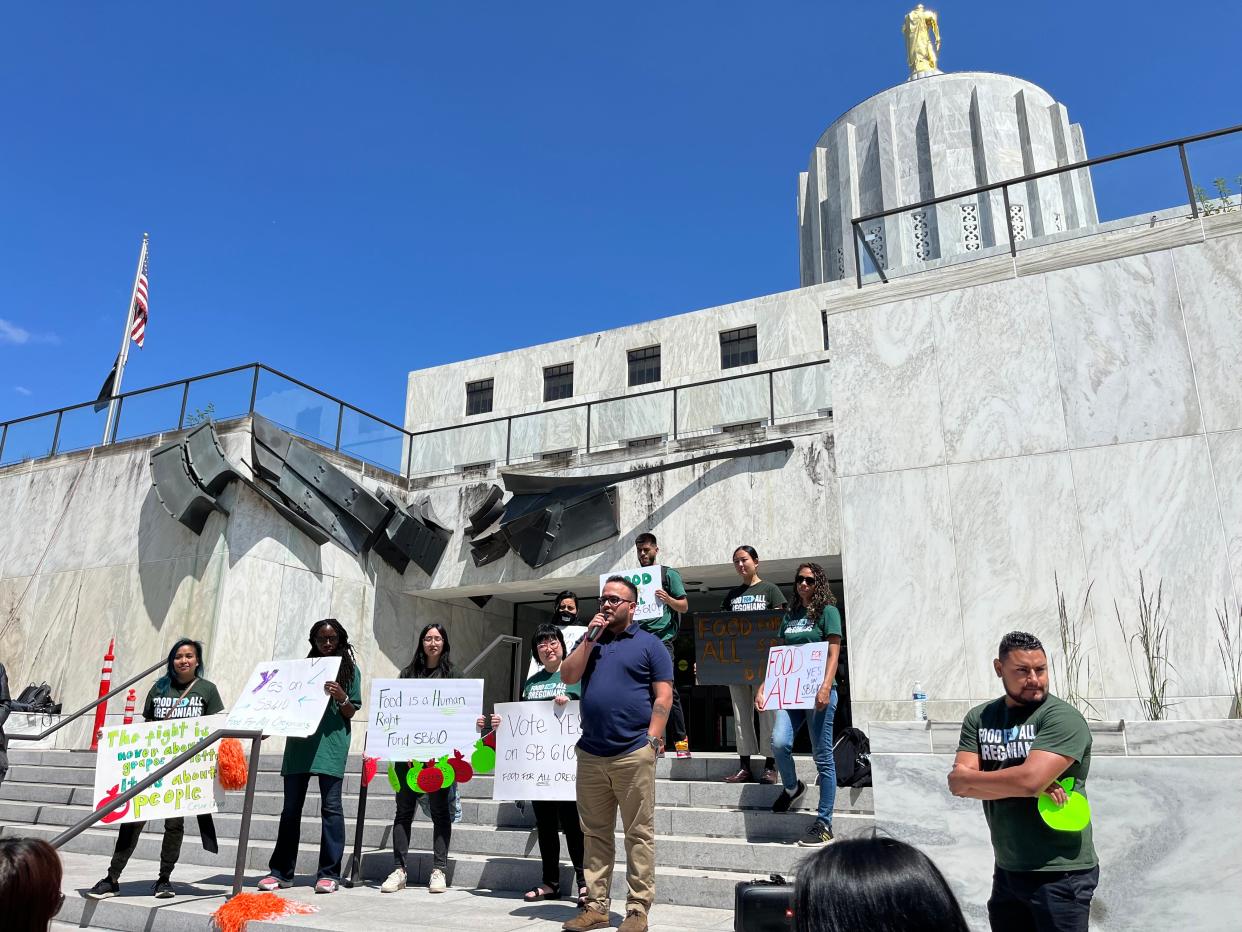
(763, 905)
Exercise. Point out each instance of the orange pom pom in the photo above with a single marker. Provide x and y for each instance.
(231, 764)
(233, 915)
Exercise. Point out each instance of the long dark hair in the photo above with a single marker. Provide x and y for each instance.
(30, 876)
(198, 652)
(344, 650)
(417, 667)
(821, 592)
(874, 885)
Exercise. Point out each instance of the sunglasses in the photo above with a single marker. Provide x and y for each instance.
(809, 580)
(611, 600)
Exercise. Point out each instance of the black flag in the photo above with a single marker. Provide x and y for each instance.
(105, 393)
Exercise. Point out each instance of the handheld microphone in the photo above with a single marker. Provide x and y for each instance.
(593, 633)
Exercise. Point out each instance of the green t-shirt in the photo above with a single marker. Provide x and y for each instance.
(327, 749)
(545, 685)
(165, 700)
(797, 628)
(763, 596)
(1002, 737)
(667, 625)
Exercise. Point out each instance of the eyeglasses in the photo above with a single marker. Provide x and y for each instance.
(809, 580)
(326, 639)
(612, 600)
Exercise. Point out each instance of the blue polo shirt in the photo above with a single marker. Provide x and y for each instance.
(618, 690)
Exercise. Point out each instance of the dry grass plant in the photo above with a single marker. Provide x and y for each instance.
(1069, 672)
(1230, 647)
(1152, 635)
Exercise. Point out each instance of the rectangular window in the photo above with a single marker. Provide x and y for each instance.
(644, 365)
(738, 347)
(479, 397)
(823, 316)
(558, 382)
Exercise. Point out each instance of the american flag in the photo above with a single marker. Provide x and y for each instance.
(138, 331)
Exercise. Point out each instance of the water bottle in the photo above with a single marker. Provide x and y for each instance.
(920, 703)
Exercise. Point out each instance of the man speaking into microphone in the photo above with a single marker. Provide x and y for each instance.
(627, 691)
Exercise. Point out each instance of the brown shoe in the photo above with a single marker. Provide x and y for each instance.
(634, 921)
(590, 919)
(770, 777)
(742, 776)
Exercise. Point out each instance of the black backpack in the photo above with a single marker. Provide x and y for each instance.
(36, 699)
(852, 755)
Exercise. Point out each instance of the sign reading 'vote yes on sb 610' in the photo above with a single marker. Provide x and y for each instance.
(646, 579)
(535, 750)
(731, 648)
(285, 697)
(795, 673)
(128, 753)
(416, 720)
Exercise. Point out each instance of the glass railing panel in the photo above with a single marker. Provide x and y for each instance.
(709, 408)
(81, 428)
(447, 450)
(297, 409)
(548, 432)
(145, 413)
(617, 422)
(803, 393)
(28, 440)
(1216, 173)
(364, 437)
(219, 397)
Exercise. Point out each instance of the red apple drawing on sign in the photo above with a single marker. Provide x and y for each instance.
(461, 768)
(117, 813)
(429, 778)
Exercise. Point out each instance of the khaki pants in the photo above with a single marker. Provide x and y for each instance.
(604, 785)
(744, 722)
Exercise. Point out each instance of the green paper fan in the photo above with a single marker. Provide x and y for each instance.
(1073, 816)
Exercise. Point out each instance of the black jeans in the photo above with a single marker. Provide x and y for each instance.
(676, 729)
(1042, 901)
(332, 835)
(127, 841)
(441, 823)
(551, 818)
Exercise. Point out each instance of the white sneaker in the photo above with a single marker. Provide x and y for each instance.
(395, 882)
(438, 883)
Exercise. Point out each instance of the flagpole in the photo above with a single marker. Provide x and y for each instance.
(123, 356)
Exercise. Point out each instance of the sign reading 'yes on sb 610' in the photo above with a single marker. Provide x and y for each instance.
(731, 648)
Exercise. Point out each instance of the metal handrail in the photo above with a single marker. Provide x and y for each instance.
(252, 774)
(517, 660)
(86, 708)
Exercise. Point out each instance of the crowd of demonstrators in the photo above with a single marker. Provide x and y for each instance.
(1013, 750)
(671, 595)
(30, 878)
(752, 594)
(322, 754)
(627, 685)
(182, 692)
(432, 660)
(814, 619)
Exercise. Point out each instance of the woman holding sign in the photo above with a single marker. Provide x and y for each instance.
(431, 661)
(554, 816)
(181, 692)
(323, 754)
(815, 619)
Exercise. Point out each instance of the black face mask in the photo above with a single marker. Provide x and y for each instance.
(566, 617)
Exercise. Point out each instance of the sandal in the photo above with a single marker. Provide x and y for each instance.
(545, 891)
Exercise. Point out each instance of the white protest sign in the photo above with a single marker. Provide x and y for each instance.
(417, 720)
(128, 753)
(795, 673)
(535, 753)
(285, 697)
(647, 579)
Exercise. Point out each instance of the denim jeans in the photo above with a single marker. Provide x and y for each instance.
(788, 721)
(331, 836)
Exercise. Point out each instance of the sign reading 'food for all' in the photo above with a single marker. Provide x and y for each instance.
(646, 579)
(731, 648)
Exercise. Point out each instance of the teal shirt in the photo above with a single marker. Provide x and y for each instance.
(326, 751)
(667, 625)
(797, 628)
(545, 685)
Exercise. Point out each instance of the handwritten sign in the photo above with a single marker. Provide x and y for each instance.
(285, 697)
(535, 753)
(795, 673)
(647, 579)
(732, 647)
(128, 753)
(421, 719)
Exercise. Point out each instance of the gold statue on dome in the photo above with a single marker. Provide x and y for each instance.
(922, 31)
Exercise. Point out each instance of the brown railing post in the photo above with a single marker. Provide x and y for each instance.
(355, 866)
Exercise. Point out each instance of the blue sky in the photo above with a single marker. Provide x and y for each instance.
(351, 191)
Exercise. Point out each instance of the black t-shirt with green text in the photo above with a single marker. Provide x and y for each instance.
(763, 596)
(1003, 737)
(165, 700)
(797, 628)
(545, 685)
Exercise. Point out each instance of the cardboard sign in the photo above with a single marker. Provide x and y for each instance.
(285, 697)
(795, 673)
(417, 720)
(647, 579)
(731, 648)
(535, 750)
(128, 753)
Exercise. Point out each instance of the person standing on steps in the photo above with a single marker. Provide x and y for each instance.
(431, 660)
(323, 754)
(181, 692)
(671, 595)
(814, 620)
(554, 816)
(565, 617)
(752, 595)
(1012, 751)
(627, 691)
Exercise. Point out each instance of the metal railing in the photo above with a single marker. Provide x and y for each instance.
(65, 720)
(1195, 196)
(325, 419)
